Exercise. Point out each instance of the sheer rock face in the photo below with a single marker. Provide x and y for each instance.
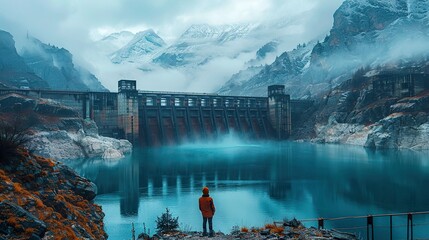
(42, 66)
(56, 66)
(355, 115)
(14, 72)
(406, 127)
(42, 199)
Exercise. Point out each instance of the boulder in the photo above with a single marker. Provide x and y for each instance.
(401, 130)
(90, 128)
(79, 185)
(49, 107)
(111, 153)
(22, 220)
(86, 189)
(82, 143)
(12, 101)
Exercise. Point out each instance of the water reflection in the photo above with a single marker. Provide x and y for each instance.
(129, 188)
(276, 180)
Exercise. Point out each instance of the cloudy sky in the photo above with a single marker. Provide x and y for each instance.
(75, 24)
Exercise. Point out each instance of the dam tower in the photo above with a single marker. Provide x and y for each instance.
(279, 111)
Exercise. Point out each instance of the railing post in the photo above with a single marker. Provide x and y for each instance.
(370, 221)
(321, 223)
(410, 226)
(391, 231)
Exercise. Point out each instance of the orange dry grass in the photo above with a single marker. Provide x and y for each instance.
(76, 206)
(3, 176)
(30, 231)
(255, 230)
(15, 222)
(274, 228)
(21, 194)
(270, 226)
(277, 230)
(60, 230)
(45, 162)
(18, 188)
(12, 221)
(39, 203)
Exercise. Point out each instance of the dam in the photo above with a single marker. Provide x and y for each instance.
(150, 118)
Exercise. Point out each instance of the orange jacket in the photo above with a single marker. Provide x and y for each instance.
(207, 207)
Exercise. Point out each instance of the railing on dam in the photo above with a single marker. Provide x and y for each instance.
(411, 225)
(204, 100)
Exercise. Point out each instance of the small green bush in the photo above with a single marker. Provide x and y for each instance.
(167, 223)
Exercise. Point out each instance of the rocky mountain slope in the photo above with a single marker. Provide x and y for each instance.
(254, 80)
(14, 72)
(57, 131)
(55, 65)
(42, 66)
(365, 33)
(41, 199)
(354, 113)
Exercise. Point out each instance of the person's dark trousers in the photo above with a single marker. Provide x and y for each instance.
(205, 225)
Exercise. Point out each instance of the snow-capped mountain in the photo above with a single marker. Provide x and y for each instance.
(254, 66)
(365, 33)
(114, 42)
(219, 34)
(255, 80)
(141, 48)
(201, 43)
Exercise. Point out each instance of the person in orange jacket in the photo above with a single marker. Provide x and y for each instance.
(207, 209)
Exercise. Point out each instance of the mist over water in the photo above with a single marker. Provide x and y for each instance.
(254, 183)
(230, 140)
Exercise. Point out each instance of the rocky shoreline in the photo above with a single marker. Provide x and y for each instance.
(57, 132)
(40, 199)
(287, 230)
(80, 141)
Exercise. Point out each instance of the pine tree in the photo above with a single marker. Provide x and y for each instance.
(167, 223)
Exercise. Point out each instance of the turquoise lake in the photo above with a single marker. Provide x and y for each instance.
(254, 183)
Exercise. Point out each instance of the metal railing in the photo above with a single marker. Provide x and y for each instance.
(370, 223)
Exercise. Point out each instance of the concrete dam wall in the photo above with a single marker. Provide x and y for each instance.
(166, 118)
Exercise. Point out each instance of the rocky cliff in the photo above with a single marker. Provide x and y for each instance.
(56, 66)
(354, 113)
(364, 33)
(14, 72)
(58, 132)
(41, 199)
(42, 66)
(407, 125)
